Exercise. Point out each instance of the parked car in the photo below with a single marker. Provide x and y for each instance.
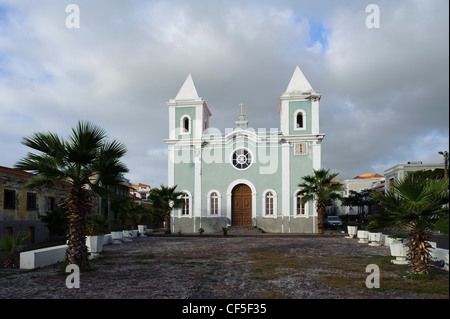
(333, 221)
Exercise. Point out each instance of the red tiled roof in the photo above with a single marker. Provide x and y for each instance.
(23, 173)
(14, 171)
(368, 176)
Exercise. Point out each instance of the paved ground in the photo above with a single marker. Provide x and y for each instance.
(193, 267)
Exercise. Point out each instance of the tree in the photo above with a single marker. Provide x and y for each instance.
(165, 199)
(56, 221)
(132, 213)
(86, 161)
(11, 244)
(420, 205)
(320, 187)
(360, 199)
(355, 199)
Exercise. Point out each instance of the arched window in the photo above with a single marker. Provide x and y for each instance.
(185, 122)
(300, 120)
(300, 208)
(214, 204)
(186, 207)
(269, 203)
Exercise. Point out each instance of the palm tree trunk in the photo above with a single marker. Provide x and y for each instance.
(10, 262)
(108, 214)
(320, 213)
(77, 252)
(419, 253)
(167, 222)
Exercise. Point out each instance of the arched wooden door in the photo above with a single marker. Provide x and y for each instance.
(241, 199)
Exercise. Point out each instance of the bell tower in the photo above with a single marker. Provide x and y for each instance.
(188, 113)
(299, 107)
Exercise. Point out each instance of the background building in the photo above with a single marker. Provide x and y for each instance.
(399, 171)
(357, 184)
(141, 191)
(20, 208)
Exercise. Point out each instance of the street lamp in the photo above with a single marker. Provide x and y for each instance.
(445, 154)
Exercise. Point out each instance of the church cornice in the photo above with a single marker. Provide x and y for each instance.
(314, 96)
(227, 139)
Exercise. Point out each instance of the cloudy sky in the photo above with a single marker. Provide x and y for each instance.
(385, 96)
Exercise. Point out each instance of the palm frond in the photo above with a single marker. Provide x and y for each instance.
(47, 142)
(84, 143)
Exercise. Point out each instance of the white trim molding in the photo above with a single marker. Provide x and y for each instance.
(179, 210)
(219, 203)
(275, 204)
(182, 129)
(303, 127)
(306, 214)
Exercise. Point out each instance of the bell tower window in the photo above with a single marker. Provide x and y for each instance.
(185, 125)
(300, 120)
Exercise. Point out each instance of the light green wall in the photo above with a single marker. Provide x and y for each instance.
(184, 179)
(300, 105)
(179, 113)
(219, 176)
(300, 166)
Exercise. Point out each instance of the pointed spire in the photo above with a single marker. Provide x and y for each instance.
(188, 90)
(298, 83)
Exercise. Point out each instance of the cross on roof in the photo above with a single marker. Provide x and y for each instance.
(242, 114)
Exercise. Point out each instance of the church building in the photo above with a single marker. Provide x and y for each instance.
(244, 176)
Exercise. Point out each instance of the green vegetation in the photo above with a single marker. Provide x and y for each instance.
(164, 199)
(87, 162)
(420, 204)
(321, 187)
(10, 245)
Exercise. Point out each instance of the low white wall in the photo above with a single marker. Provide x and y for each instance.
(107, 240)
(42, 257)
(48, 256)
(439, 254)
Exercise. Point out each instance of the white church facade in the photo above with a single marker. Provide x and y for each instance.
(244, 176)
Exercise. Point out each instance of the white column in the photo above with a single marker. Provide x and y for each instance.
(317, 155)
(284, 117)
(285, 181)
(198, 122)
(171, 122)
(315, 116)
(197, 209)
(170, 166)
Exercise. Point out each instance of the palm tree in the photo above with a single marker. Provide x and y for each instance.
(321, 187)
(86, 161)
(360, 199)
(11, 244)
(165, 199)
(132, 212)
(420, 205)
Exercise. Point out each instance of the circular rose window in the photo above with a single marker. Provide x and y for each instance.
(241, 159)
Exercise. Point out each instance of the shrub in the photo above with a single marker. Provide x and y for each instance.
(56, 221)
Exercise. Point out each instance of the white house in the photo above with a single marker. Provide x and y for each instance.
(140, 190)
(399, 171)
(357, 184)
